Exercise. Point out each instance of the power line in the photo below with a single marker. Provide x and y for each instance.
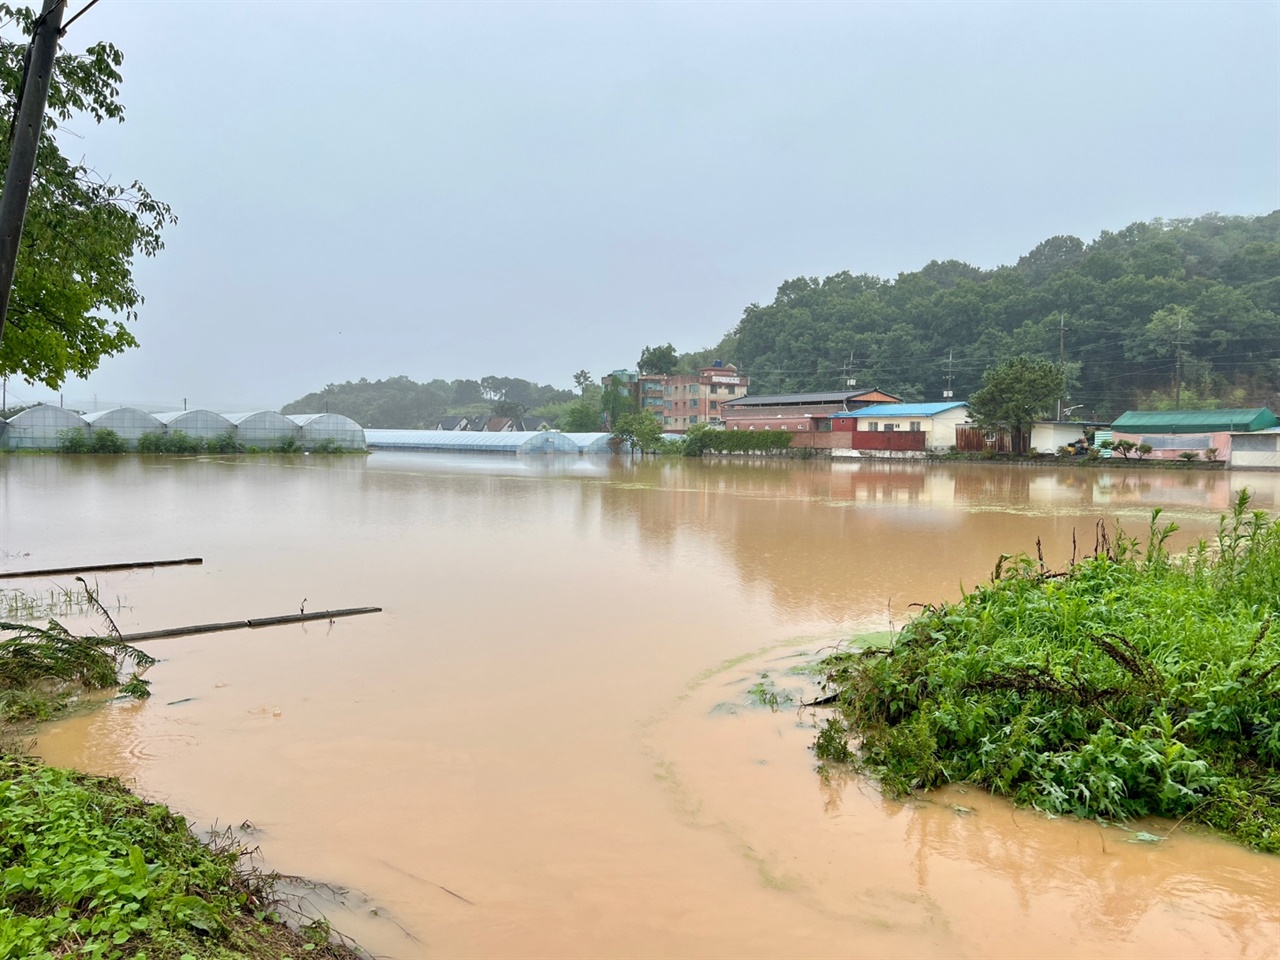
(65, 26)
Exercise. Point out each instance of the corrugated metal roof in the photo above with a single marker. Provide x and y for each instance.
(904, 409)
(791, 398)
(1194, 421)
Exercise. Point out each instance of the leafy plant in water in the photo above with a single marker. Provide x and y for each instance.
(1134, 683)
(40, 666)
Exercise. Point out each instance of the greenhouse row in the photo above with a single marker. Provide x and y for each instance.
(455, 441)
(48, 428)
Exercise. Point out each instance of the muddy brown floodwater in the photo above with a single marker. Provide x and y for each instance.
(544, 747)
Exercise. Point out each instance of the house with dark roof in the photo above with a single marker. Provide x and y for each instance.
(1206, 433)
(797, 411)
(454, 423)
(532, 424)
(499, 425)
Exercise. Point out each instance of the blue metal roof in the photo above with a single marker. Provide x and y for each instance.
(904, 409)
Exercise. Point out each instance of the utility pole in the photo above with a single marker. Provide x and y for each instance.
(24, 137)
(1177, 367)
(1062, 353)
(947, 394)
(849, 379)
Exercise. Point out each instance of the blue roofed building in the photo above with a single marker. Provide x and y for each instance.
(930, 427)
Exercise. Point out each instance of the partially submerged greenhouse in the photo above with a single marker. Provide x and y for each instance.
(265, 428)
(332, 427)
(202, 424)
(595, 442)
(41, 427)
(462, 441)
(127, 423)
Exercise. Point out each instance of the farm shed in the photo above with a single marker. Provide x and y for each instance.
(1170, 433)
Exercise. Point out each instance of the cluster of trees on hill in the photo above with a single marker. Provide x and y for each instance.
(399, 402)
(1125, 314)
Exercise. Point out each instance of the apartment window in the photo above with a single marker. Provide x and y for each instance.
(824, 426)
(915, 426)
(693, 389)
(873, 426)
(890, 427)
(693, 419)
(715, 388)
(715, 405)
(666, 421)
(667, 404)
(693, 404)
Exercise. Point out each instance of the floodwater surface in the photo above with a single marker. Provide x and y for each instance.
(545, 747)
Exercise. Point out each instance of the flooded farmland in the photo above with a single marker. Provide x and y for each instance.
(545, 746)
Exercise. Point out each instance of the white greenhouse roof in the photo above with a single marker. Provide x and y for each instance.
(591, 442)
(239, 418)
(116, 414)
(540, 441)
(171, 415)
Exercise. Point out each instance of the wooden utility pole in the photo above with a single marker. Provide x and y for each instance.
(24, 138)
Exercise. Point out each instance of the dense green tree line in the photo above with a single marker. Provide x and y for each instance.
(399, 402)
(1120, 309)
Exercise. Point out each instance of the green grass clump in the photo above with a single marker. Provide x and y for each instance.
(41, 667)
(90, 870)
(1132, 684)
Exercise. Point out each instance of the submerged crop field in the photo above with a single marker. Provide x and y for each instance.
(1135, 683)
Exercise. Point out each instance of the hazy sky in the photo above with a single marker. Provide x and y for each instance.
(525, 189)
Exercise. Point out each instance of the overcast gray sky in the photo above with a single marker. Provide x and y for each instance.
(526, 189)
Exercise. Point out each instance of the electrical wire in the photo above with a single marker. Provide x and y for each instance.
(86, 9)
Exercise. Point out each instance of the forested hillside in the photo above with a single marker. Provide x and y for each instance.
(1118, 311)
(399, 402)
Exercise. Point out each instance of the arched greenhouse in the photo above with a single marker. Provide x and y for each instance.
(40, 427)
(595, 442)
(265, 428)
(463, 441)
(128, 423)
(334, 427)
(201, 424)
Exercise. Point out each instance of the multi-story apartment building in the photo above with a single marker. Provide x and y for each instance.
(682, 400)
(692, 398)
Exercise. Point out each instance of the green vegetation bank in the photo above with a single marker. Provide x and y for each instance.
(87, 869)
(1134, 683)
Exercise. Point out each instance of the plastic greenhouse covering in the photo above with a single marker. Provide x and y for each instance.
(129, 423)
(318, 427)
(263, 428)
(543, 441)
(592, 442)
(38, 427)
(204, 424)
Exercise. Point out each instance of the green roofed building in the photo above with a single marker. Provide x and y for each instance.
(1207, 433)
(1195, 421)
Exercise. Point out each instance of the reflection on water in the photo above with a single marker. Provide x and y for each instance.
(529, 723)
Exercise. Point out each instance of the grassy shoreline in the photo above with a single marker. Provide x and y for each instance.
(1132, 684)
(90, 869)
